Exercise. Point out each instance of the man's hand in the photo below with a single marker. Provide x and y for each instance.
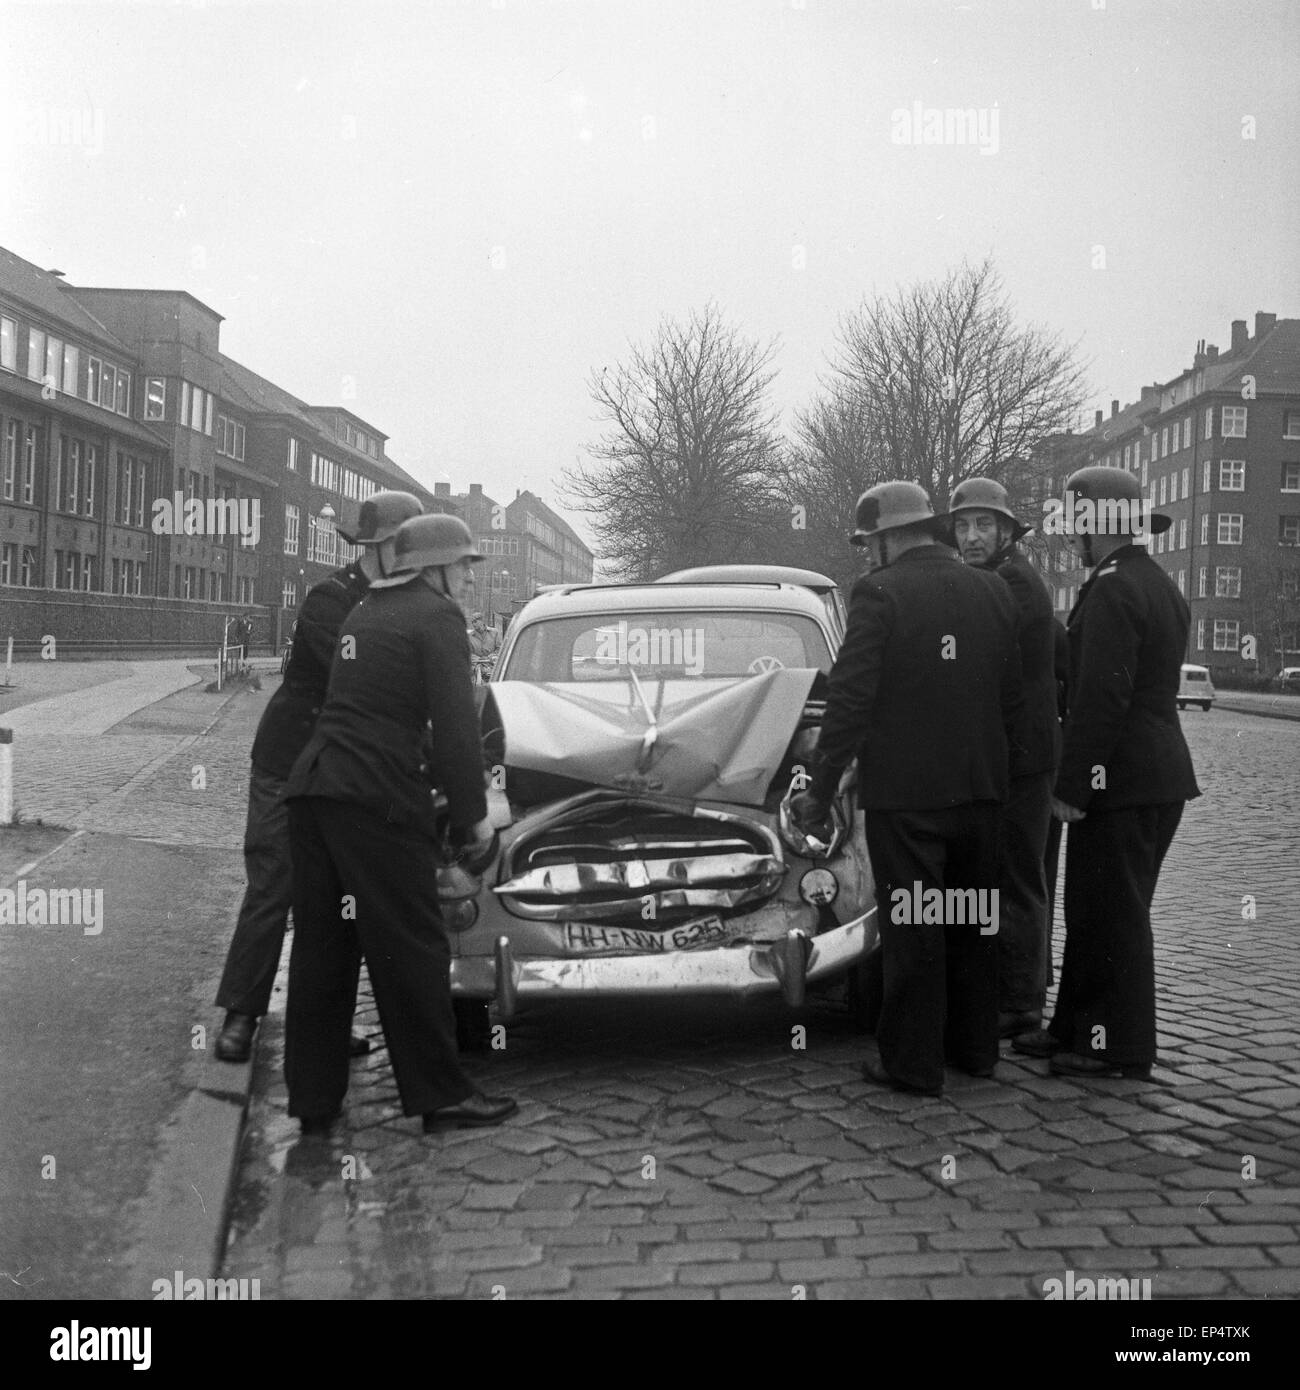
(1066, 814)
(481, 847)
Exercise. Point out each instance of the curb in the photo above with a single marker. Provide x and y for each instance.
(1263, 711)
(187, 1206)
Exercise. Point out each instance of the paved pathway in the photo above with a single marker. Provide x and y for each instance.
(690, 1151)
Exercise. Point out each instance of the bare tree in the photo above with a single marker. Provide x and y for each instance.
(1269, 588)
(949, 386)
(685, 474)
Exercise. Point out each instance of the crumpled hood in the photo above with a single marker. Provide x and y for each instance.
(712, 740)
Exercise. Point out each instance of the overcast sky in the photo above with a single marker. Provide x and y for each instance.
(458, 210)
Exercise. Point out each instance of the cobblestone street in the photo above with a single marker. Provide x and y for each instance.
(697, 1151)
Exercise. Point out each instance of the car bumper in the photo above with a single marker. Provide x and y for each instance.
(786, 966)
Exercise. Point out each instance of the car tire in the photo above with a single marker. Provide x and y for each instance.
(866, 991)
(1182, 704)
(1205, 705)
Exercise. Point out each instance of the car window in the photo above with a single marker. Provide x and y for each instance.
(675, 644)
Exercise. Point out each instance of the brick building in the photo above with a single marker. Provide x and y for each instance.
(1217, 448)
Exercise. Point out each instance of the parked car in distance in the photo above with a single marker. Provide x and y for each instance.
(822, 584)
(644, 741)
(1195, 687)
(1288, 679)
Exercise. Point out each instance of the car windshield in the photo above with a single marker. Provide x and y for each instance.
(677, 644)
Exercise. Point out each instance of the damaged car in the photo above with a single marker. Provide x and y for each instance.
(643, 743)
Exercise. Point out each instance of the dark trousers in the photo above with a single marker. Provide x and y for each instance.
(254, 953)
(1022, 935)
(940, 997)
(365, 888)
(1051, 856)
(1106, 1007)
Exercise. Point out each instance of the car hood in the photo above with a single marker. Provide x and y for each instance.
(713, 740)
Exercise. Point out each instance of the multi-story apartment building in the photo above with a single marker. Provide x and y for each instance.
(1217, 448)
(526, 545)
(163, 483)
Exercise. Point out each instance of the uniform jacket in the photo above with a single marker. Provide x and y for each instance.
(399, 717)
(291, 713)
(1128, 637)
(1040, 733)
(929, 730)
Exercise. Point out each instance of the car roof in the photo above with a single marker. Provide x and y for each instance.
(750, 574)
(572, 600)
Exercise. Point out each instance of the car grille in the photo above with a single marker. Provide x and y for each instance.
(601, 856)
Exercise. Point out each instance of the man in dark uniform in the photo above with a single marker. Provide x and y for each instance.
(1125, 774)
(286, 725)
(986, 531)
(925, 693)
(398, 721)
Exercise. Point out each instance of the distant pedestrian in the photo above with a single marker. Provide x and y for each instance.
(399, 721)
(286, 725)
(986, 531)
(925, 693)
(1124, 778)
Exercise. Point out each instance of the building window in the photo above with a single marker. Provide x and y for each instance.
(8, 563)
(28, 576)
(185, 402)
(1209, 422)
(1187, 481)
(155, 398)
(1163, 489)
(35, 353)
(72, 474)
(1128, 449)
(291, 530)
(1164, 441)
(1230, 524)
(126, 472)
(29, 466)
(1182, 582)
(1288, 530)
(1187, 433)
(71, 569)
(9, 344)
(10, 460)
(87, 572)
(1205, 528)
(1234, 422)
(196, 409)
(1205, 475)
(1290, 422)
(1291, 477)
(1227, 634)
(88, 481)
(141, 484)
(1227, 581)
(293, 455)
(1144, 472)
(1232, 475)
(289, 594)
(1182, 534)
(123, 397)
(71, 369)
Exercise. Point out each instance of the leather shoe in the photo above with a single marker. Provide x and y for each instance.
(359, 1046)
(1072, 1064)
(476, 1109)
(875, 1071)
(235, 1041)
(1039, 1043)
(1011, 1025)
(314, 1125)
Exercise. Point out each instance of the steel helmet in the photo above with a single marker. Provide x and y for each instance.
(1099, 484)
(985, 495)
(381, 514)
(432, 539)
(888, 506)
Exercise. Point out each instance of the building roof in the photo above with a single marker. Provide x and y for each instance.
(535, 503)
(242, 387)
(1274, 363)
(52, 299)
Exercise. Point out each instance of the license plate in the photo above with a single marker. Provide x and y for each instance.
(590, 937)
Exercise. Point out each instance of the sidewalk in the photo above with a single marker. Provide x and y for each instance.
(119, 1131)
